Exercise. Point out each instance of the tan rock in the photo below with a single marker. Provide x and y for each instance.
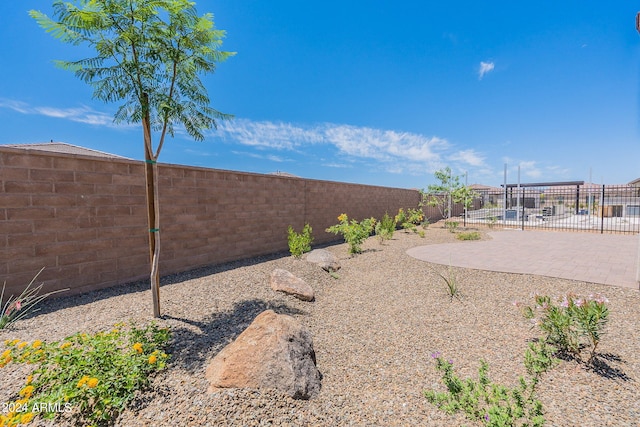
(274, 352)
(325, 259)
(284, 281)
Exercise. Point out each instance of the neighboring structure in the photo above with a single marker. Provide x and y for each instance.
(64, 148)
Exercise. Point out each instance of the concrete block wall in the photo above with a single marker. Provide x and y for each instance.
(84, 218)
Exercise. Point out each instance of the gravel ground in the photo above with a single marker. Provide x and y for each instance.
(374, 330)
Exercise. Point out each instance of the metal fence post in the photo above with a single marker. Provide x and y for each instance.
(602, 211)
(522, 208)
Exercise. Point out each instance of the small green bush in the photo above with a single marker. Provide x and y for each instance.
(576, 322)
(385, 228)
(468, 235)
(89, 377)
(492, 404)
(354, 232)
(452, 226)
(299, 243)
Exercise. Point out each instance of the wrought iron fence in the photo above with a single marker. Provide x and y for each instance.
(572, 206)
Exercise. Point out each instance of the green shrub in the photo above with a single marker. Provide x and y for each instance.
(385, 228)
(494, 404)
(400, 218)
(452, 226)
(300, 243)
(89, 377)
(468, 235)
(354, 232)
(571, 325)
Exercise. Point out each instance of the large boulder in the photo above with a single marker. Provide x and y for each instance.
(324, 259)
(284, 281)
(274, 352)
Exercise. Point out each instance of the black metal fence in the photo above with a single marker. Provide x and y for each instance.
(559, 206)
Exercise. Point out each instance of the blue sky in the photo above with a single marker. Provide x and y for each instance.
(374, 92)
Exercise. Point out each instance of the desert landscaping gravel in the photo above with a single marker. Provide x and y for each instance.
(374, 329)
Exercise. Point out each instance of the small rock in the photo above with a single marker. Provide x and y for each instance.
(284, 281)
(324, 258)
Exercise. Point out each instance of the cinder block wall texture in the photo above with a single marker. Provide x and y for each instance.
(84, 218)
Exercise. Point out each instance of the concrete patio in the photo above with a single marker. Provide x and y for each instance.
(609, 259)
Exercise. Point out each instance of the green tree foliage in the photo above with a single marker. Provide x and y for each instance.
(447, 192)
(149, 55)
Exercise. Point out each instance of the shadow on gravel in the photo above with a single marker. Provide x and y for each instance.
(190, 349)
(62, 301)
(600, 367)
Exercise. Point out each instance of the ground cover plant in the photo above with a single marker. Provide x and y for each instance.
(492, 404)
(468, 235)
(299, 243)
(87, 377)
(353, 232)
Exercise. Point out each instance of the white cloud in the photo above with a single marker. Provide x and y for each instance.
(469, 157)
(485, 67)
(81, 115)
(530, 169)
(398, 151)
(268, 134)
(384, 145)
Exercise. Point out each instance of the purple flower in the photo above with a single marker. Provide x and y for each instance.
(435, 355)
(486, 417)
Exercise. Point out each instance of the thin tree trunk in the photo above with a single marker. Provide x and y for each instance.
(151, 174)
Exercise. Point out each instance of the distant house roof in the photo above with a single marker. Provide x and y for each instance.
(63, 147)
(481, 187)
(287, 174)
(635, 182)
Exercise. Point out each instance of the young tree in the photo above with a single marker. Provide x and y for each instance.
(149, 54)
(446, 192)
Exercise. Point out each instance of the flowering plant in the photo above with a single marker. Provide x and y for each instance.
(410, 219)
(90, 377)
(15, 308)
(354, 232)
(570, 323)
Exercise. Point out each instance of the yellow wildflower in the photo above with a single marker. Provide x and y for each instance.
(14, 342)
(36, 344)
(65, 345)
(342, 217)
(27, 391)
(7, 342)
(26, 418)
(138, 347)
(152, 359)
(22, 344)
(83, 381)
(92, 382)
(29, 379)
(5, 354)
